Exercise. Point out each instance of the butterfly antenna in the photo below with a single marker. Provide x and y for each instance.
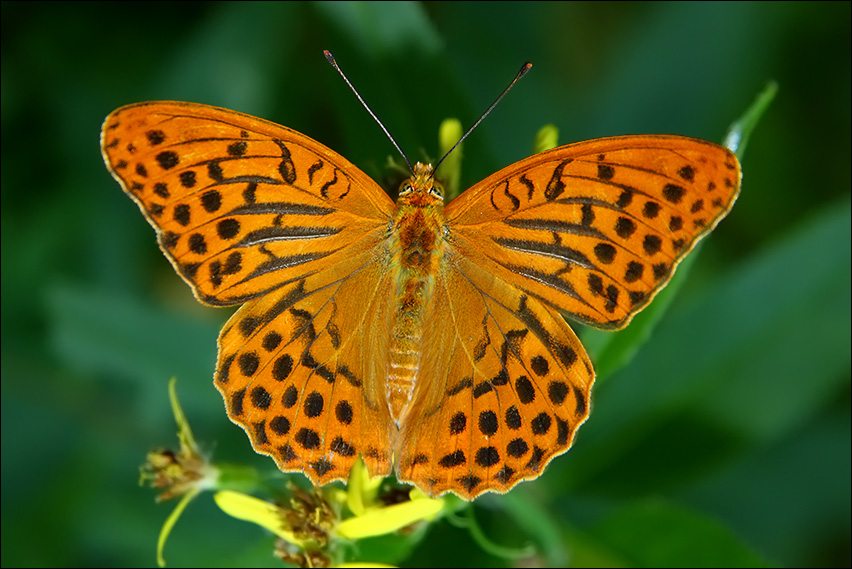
(333, 63)
(526, 67)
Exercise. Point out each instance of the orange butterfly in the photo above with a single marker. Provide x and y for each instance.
(426, 339)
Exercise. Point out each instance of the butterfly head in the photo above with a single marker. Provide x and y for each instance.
(421, 189)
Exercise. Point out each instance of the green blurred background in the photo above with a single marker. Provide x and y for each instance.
(725, 441)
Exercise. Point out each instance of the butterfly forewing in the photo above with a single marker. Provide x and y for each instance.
(597, 228)
(241, 206)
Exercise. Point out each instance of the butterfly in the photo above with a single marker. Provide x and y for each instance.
(425, 339)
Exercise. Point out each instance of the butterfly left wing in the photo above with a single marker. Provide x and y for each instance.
(302, 370)
(241, 206)
(503, 384)
(251, 212)
(597, 228)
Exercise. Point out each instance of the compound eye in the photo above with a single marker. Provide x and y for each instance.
(405, 188)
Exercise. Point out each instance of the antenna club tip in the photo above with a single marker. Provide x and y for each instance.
(329, 57)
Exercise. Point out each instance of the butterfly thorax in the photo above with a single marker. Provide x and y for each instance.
(417, 249)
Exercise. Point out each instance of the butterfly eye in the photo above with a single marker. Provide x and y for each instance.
(405, 188)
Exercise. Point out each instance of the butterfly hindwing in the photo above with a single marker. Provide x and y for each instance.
(504, 383)
(301, 371)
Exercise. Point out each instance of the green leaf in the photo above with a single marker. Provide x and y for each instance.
(658, 534)
(726, 370)
(740, 131)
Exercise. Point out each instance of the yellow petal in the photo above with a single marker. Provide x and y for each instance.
(380, 521)
(449, 171)
(546, 138)
(361, 489)
(251, 509)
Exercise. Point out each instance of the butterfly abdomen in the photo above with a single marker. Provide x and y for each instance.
(417, 251)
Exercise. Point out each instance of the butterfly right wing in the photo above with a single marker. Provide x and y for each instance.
(597, 228)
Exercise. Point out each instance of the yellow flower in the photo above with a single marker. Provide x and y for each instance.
(315, 524)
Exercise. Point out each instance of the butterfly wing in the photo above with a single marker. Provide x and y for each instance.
(241, 206)
(503, 385)
(251, 212)
(302, 370)
(594, 229)
(597, 228)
